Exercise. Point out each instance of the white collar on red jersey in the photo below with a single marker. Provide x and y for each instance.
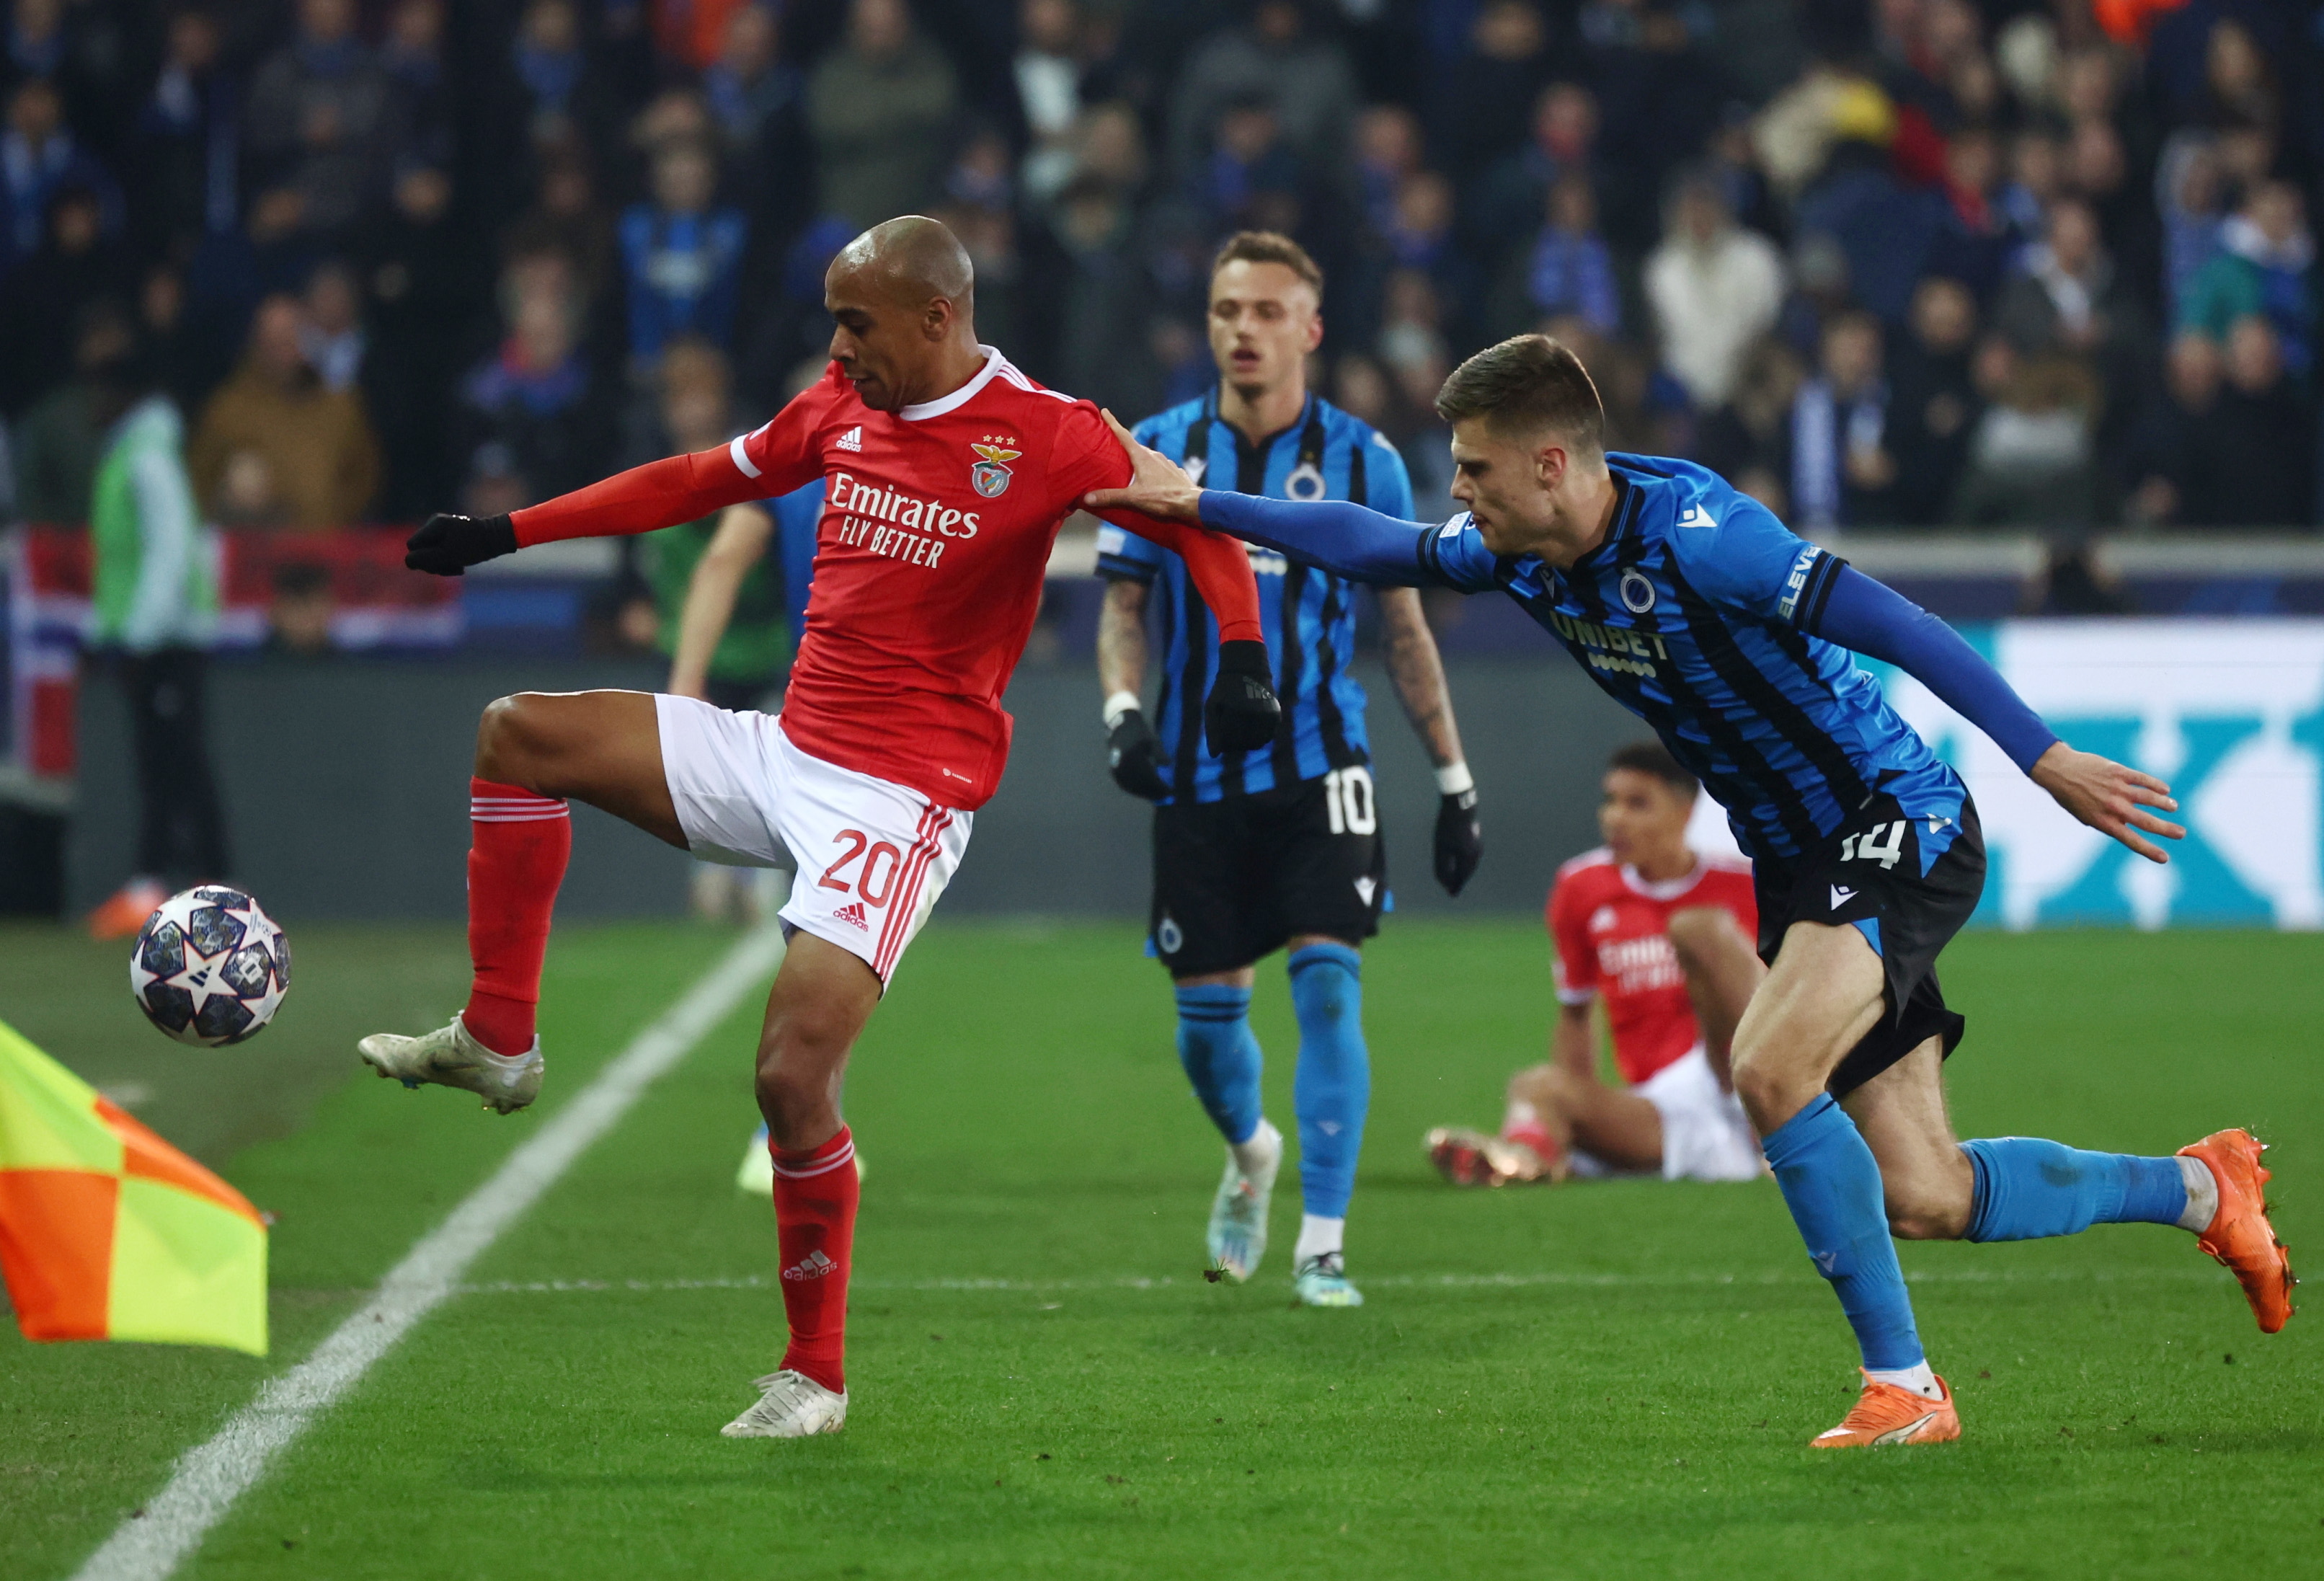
(993, 363)
(1666, 888)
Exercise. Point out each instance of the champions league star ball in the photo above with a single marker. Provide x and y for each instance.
(210, 967)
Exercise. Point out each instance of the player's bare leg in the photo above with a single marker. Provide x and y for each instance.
(1722, 971)
(822, 996)
(535, 752)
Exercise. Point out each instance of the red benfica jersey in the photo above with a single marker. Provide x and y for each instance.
(1612, 932)
(937, 525)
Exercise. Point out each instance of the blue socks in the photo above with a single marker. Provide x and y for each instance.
(1831, 1184)
(2028, 1188)
(1221, 1057)
(1333, 1087)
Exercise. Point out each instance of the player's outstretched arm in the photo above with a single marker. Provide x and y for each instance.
(1348, 540)
(740, 539)
(2116, 800)
(660, 493)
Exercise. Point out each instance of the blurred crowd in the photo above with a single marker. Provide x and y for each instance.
(1897, 263)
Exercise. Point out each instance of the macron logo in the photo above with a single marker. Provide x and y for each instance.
(813, 1265)
(853, 439)
(1841, 897)
(853, 915)
(1696, 516)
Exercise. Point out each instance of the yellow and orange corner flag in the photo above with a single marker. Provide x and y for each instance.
(108, 1232)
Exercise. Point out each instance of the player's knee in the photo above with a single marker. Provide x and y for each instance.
(1700, 935)
(791, 1092)
(1533, 1084)
(512, 741)
(1770, 1093)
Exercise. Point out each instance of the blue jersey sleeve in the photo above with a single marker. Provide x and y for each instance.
(1354, 541)
(1388, 486)
(1748, 562)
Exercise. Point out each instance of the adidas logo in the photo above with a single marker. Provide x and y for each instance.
(813, 1265)
(853, 439)
(853, 915)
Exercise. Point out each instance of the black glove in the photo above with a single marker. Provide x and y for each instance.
(1241, 713)
(1135, 756)
(1460, 840)
(446, 545)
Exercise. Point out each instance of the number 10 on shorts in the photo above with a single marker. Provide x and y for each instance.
(1347, 801)
(873, 882)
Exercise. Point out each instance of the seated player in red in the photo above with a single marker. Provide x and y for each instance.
(1662, 935)
(946, 474)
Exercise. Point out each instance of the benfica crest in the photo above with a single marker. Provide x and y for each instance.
(990, 476)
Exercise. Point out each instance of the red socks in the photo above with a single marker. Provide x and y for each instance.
(516, 859)
(815, 1193)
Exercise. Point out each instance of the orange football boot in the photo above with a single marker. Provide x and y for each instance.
(124, 912)
(1472, 1158)
(2239, 1235)
(1885, 1414)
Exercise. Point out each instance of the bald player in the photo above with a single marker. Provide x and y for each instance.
(946, 473)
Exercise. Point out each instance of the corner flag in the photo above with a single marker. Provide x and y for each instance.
(108, 1232)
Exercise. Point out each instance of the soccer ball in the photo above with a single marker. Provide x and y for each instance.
(210, 967)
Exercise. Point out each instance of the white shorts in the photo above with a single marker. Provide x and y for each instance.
(1706, 1135)
(871, 856)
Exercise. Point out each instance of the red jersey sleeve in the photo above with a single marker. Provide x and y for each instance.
(775, 460)
(1088, 457)
(1575, 970)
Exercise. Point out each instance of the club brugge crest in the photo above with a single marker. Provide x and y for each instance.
(990, 476)
(1638, 591)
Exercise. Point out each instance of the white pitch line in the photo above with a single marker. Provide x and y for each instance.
(209, 1478)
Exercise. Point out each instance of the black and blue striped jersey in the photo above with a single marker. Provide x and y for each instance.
(1691, 615)
(1309, 615)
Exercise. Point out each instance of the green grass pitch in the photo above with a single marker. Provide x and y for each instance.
(1611, 1381)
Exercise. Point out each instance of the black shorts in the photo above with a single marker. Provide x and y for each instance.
(1236, 878)
(1868, 872)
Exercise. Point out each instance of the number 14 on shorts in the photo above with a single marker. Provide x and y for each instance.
(1882, 843)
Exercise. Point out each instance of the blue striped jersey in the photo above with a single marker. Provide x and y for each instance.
(1689, 616)
(1309, 615)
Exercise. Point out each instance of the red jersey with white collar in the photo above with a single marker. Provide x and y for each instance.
(937, 526)
(1612, 932)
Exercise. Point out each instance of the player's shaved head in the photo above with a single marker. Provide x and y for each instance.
(909, 260)
(902, 302)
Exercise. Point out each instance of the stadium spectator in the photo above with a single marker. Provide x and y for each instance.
(331, 336)
(2266, 267)
(56, 446)
(324, 122)
(2032, 454)
(559, 99)
(2190, 190)
(1484, 103)
(878, 107)
(2263, 446)
(186, 146)
(1748, 440)
(429, 272)
(532, 421)
(1657, 99)
(412, 58)
(1048, 71)
(1933, 403)
(38, 158)
(681, 255)
(1715, 288)
(1841, 469)
(1508, 201)
(45, 293)
(273, 445)
(1570, 269)
(1301, 74)
(2172, 470)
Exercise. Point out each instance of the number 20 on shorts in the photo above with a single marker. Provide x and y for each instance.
(873, 882)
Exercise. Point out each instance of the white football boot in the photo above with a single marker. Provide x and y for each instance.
(1238, 1227)
(792, 1405)
(449, 1057)
(1323, 1281)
